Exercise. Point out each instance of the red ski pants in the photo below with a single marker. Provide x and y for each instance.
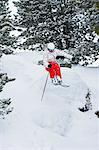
(54, 70)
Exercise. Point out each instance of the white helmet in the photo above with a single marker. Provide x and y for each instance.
(51, 47)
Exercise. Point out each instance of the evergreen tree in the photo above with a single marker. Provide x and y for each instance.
(6, 41)
(44, 21)
(82, 42)
(65, 22)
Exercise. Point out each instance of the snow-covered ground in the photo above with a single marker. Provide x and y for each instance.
(55, 123)
(90, 76)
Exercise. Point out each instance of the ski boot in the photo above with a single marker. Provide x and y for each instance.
(54, 81)
(59, 80)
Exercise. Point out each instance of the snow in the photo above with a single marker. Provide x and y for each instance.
(94, 64)
(88, 37)
(2, 16)
(91, 78)
(12, 6)
(95, 35)
(15, 33)
(55, 123)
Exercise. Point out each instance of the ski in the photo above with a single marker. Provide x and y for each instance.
(63, 85)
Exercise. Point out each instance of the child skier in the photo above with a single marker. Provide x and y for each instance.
(51, 64)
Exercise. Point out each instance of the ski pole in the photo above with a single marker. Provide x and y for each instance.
(44, 87)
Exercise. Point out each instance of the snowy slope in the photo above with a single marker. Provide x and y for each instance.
(53, 124)
(90, 77)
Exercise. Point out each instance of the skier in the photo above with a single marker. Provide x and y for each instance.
(51, 64)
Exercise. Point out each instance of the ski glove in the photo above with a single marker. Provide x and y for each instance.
(49, 66)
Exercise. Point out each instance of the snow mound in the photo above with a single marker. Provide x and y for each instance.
(36, 125)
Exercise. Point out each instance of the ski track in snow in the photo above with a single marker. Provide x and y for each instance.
(53, 124)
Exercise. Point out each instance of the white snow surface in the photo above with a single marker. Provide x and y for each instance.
(12, 7)
(95, 64)
(55, 123)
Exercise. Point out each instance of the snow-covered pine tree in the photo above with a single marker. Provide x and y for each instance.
(45, 20)
(5, 104)
(6, 41)
(5, 107)
(83, 22)
(65, 22)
